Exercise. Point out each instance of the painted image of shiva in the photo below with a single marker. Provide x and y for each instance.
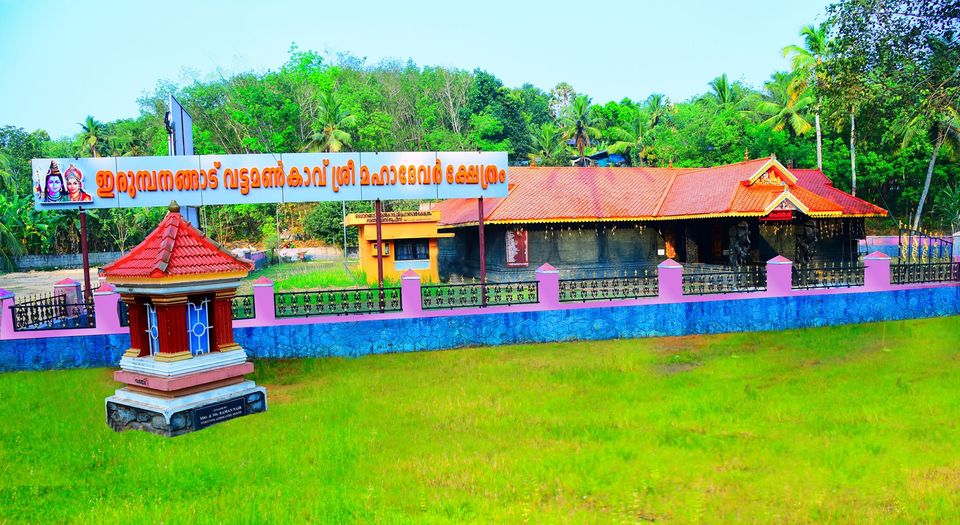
(53, 188)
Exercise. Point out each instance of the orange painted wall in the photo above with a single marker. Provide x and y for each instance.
(411, 228)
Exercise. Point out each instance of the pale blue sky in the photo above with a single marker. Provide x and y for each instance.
(64, 60)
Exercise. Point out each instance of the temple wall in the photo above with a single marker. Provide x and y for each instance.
(669, 314)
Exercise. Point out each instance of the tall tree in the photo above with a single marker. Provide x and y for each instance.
(579, 124)
(878, 46)
(785, 104)
(941, 127)
(807, 64)
(632, 138)
(656, 106)
(330, 129)
(93, 135)
(548, 147)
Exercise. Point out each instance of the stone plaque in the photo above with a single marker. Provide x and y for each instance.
(210, 414)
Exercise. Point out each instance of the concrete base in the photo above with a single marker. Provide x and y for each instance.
(128, 410)
(210, 361)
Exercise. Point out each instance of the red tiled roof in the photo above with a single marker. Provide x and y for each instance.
(175, 248)
(707, 191)
(591, 193)
(817, 182)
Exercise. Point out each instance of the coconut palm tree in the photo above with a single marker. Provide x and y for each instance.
(807, 64)
(726, 95)
(10, 244)
(787, 99)
(579, 123)
(656, 107)
(632, 139)
(6, 173)
(548, 146)
(333, 119)
(93, 136)
(942, 128)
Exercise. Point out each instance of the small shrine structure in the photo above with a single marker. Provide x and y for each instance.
(183, 370)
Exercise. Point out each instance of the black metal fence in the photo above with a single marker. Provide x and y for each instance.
(705, 280)
(52, 312)
(243, 307)
(437, 296)
(337, 302)
(644, 283)
(828, 275)
(930, 272)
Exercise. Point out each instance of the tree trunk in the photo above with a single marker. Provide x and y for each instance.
(816, 119)
(853, 153)
(926, 183)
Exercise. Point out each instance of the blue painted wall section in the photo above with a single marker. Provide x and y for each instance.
(352, 339)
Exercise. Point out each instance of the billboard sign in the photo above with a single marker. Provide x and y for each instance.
(196, 180)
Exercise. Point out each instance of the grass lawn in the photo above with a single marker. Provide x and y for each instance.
(309, 275)
(847, 424)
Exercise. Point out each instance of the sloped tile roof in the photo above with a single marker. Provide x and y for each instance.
(817, 182)
(175, 248)
(591, 193)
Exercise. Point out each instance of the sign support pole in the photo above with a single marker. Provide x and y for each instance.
(483, 257)
(379, 254)
(87, 291)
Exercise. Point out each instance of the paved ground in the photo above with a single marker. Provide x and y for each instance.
(29, 283)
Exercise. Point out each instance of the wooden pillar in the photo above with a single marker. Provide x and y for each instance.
(174, 344)
(139, 339)
(222, 336)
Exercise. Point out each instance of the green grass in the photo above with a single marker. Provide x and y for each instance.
(847, 424)
(311, 275)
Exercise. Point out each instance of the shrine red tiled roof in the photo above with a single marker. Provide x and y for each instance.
(743, 189)
(175, 249)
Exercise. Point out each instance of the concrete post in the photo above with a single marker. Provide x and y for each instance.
(779, 276)
(956, 246)
(264, 310)
(670, 280)
(105, 302)
(410, 297)
(876, 271)
(548, 286)
(6, 314)
(69, 288)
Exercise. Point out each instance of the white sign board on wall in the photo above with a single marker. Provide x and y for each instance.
(198, 180)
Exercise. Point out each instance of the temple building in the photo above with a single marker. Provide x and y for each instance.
(409, 243)
(594, 219)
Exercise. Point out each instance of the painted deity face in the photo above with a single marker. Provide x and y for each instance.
(73, 187)
(54, 185)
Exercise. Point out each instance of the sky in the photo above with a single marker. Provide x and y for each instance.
(62, 61)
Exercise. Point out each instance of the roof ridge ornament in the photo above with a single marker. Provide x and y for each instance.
(174, 207)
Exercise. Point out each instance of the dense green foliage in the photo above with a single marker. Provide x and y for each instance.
(874, 90)
(851, 424)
